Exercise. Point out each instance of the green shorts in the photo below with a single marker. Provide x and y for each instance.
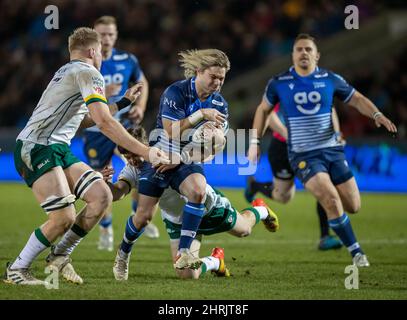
(33, 160)
(217, 221)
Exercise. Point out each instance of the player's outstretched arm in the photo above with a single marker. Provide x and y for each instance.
(120, 188)
(131, 96)
(111, 128)
(367, 108)
(259, 123)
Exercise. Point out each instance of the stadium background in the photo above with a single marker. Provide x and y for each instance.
(257, 36)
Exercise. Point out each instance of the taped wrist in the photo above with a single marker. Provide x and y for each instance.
(123, 103)
(196, 117)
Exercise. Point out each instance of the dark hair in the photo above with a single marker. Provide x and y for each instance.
(305, 36)
(137, 132)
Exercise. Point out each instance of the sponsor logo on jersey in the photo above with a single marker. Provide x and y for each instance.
(123, 56)
(286, 78)
(120, 67)
(291, 86)
(302, 165)
(170, 103)
(99, 90)
(92, 153)
(322, 75)
(43, 164)
(98, 82)
(303, 99)
(217, 103)
(319, 85)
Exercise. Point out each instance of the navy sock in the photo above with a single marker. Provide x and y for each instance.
(134, 205)
(106, 221)
(343, 229)
(131, 234)
(323, 221)
(265, 188)
(192, 217)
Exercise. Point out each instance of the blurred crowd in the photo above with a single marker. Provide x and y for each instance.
(250, 32)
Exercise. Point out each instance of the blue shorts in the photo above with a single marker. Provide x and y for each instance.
(98, 149)
(153, 184)
(330, 160)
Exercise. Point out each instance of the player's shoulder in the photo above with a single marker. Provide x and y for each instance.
(281, 77)
(219, 100)
(178, 88)
(123, 56)
(322, 73)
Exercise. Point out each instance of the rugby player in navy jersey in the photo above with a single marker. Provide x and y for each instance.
(183, 105)
(282, 188)
(305, 93)
(119, 70)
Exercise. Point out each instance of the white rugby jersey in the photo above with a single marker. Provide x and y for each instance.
(63, 104)
(171, 202)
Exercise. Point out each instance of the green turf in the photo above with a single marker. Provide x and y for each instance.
(285, 265)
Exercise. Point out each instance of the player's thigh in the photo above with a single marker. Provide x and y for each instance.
(88, 184)
(350, 196)
(321, 186)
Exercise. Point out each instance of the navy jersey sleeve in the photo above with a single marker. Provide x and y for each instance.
(172, 104)
(270, 94)
(342, 90)
(136, 70)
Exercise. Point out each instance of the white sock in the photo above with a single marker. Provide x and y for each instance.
(68, 243)
(31, 250)
(211, 263)
(262, 212)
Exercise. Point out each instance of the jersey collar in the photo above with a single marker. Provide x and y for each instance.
(292, 70)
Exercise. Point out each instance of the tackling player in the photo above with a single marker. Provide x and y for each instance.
(44, 160)
(306, 93)
(219, 216)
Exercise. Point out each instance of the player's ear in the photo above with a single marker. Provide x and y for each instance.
(318, 56)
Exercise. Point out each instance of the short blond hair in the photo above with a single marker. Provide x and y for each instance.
(198, 60)
(105, 20)
(83, 38)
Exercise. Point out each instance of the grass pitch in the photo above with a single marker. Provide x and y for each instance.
(284, 265)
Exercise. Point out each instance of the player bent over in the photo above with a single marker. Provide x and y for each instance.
(43, 158)
(219, 216)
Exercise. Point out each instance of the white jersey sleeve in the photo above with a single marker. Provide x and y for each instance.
(91, 85)
(130, 175)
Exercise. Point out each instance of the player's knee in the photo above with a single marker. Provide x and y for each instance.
(283, 197)
(187, 274)
(245, 232)
(197, 195)
(142, 218)
(334, 206)
(354, 207)
(106, 199)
